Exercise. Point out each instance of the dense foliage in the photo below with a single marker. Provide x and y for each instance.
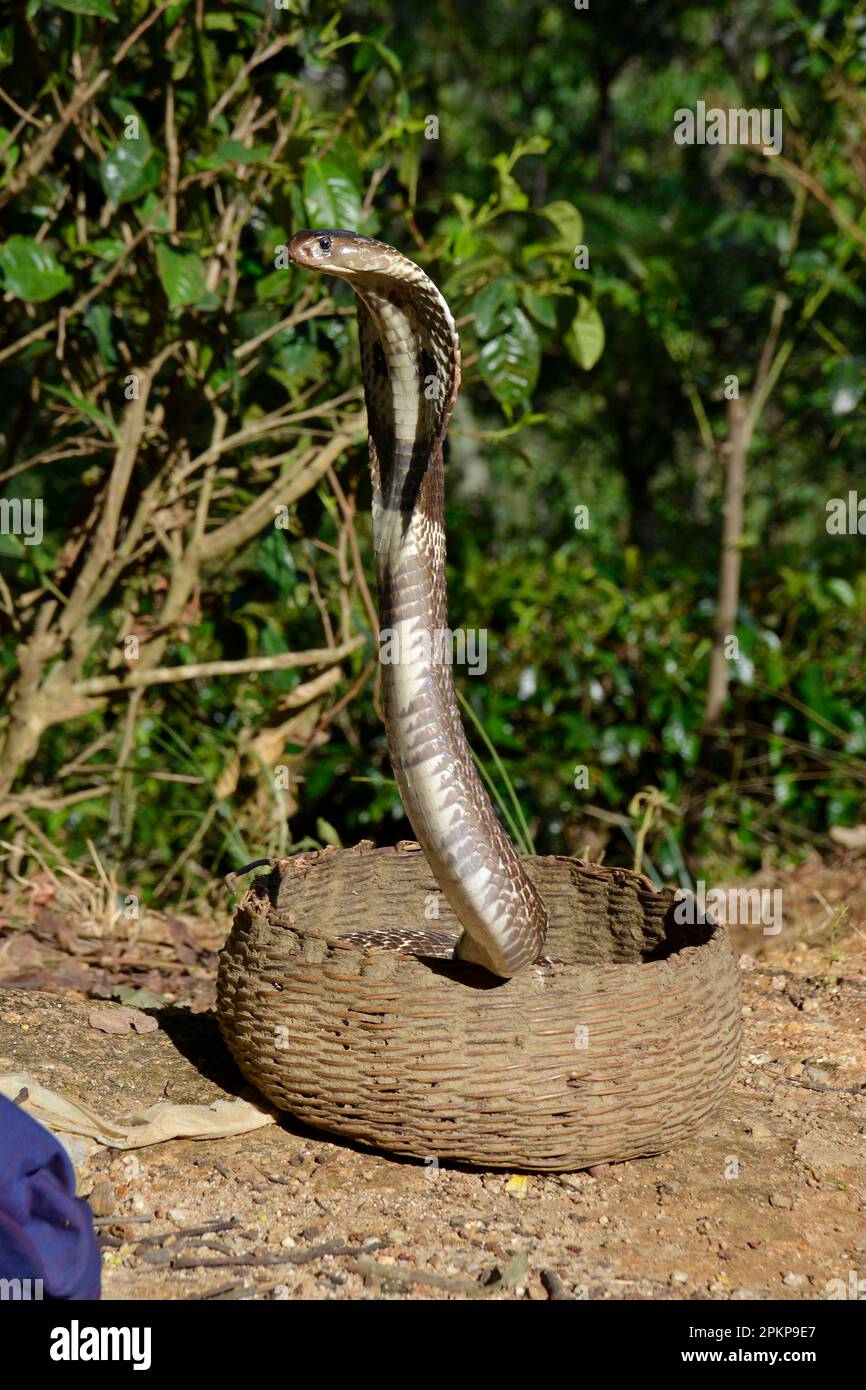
(189, 411)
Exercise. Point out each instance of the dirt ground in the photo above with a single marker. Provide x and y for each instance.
(769, 1201)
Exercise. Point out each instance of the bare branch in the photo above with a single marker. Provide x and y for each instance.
(282, 492)
(205, 670)
(45, 144)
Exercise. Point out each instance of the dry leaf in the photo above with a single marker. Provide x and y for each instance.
(849, 837)
(159, 1122)
(119, 1019)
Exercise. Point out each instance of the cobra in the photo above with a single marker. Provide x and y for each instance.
(410, 360)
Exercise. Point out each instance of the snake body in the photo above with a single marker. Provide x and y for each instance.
(410, 357)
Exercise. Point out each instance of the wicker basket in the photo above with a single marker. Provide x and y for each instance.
(624, 1046)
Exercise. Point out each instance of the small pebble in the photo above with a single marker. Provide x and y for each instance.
(794, 1281)
(759, 1130)
(103, 1200)
(815, 1074)
(679, 1276)
(781, 1199)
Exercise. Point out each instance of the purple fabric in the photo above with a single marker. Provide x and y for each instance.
(46, 1232)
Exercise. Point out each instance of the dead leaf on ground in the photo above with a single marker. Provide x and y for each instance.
(853, 837)
(121, 1019)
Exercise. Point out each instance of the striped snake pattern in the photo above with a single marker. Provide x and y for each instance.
(410, 360)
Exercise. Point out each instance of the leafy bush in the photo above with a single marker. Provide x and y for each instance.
(191, 680)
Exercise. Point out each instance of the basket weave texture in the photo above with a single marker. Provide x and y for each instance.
(624, 1046)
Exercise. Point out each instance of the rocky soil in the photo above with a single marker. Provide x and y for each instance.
(769, 1201)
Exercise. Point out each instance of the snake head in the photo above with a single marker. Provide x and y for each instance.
(339, 252)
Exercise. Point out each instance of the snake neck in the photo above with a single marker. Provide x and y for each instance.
(411, 368)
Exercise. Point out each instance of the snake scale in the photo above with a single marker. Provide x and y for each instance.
(410, 358)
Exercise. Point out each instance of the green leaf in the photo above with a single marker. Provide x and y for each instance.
(11, 150)
(567, 221)
(153, 212)
(106, 248)
(841, 589)
(409, 167)
(273, 643)
(102, 9)
(372, 48)
(584, 340)
(31, 271)
(140, 998)
(488, 302)
(276, 285)
(233, 152)
(330, 196)
(510, 362)
(296, 355)
(275, 561)
(182, 275)
(542, 307)
(131, 169)
(87, 408)
(220, 21)
(465, 244)
(511, 196)
(762, 65)
(846, 385)
(98, 320)
(326, 833)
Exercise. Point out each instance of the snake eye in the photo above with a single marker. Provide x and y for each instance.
(325, 244)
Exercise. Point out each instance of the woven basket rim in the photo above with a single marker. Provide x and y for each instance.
(421, 1055)
(257, 903)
